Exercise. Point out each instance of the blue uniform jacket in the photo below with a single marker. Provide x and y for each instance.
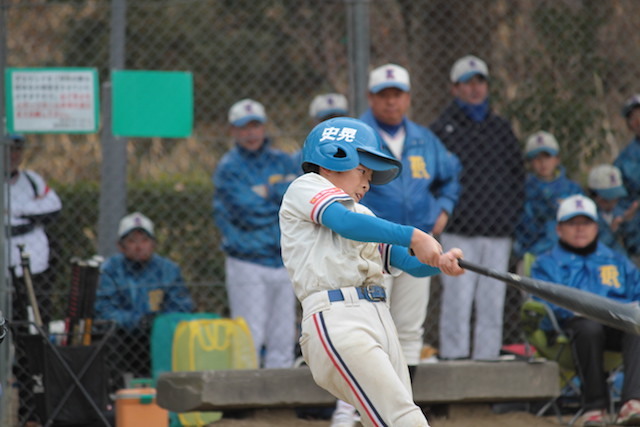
(536, 230)
(247, 220)
(604, 272)
(427, 185)
(629, 164)
(606, 234)
(126, 290)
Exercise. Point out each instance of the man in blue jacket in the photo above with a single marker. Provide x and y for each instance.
(580, 261)
(136, 285)
(423, 196)
(249, 181)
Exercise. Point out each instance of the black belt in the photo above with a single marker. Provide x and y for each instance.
(18, 230)
(372, 293)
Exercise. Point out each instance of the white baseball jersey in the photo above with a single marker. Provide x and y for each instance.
(349, 343)
(316, 257)
(31, 196)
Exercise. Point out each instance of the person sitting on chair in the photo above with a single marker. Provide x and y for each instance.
(136, 285)
(580, 261)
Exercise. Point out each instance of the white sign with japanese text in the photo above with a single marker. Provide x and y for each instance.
(52, 100)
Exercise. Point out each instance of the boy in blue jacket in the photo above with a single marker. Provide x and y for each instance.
(628, 161)
(249, 181)
(606, 189)
(546, 186)
(580, 261)
(135, 285)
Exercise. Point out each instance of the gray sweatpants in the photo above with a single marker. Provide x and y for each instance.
(461, 293)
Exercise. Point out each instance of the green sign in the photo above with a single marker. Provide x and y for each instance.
(152, 103)
(52, 100)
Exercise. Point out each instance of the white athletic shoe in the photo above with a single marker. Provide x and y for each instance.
(344, 415)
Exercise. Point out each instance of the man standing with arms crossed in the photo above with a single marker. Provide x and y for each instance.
(492, 182)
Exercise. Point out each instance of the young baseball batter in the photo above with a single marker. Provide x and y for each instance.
(336, 252)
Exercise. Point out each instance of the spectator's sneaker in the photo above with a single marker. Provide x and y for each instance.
(593, 418)
(345, 415)
(629, 414)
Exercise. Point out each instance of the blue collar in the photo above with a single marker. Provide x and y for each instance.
(390, 129)
(477, 112)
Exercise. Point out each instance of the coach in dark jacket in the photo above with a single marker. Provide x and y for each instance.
(483, 222)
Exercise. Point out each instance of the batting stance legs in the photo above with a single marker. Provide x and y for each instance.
(353, 352)
(408, 301)
(460, 293)
(264, 297)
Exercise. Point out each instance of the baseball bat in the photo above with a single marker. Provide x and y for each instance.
(26, 274)
(623, 316)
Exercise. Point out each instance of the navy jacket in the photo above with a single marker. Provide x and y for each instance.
(492, 178)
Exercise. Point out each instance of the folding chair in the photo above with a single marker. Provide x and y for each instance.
(557, 347)
(45, 353)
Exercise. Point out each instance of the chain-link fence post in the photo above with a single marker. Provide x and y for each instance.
(113, 181)
(359, 45)
(5, 364)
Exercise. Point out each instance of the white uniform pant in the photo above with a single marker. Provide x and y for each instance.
(460, 293)
(408, 298)
(352, 350)
(264, 297)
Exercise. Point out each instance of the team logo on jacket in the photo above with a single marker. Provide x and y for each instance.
(418, 167)
(609, 276)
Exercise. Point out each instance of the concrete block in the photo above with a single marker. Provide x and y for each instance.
(443, 382)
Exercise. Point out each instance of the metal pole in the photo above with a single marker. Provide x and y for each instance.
(358, 51)
(5, 354)
(113, 182)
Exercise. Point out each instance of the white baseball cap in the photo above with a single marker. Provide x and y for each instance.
(245, 111)
(541, 142)
(328, 104)
(577, 205)
(606, 181)
(135, 221)
(467, 67)
(630, 104)
(389, 75)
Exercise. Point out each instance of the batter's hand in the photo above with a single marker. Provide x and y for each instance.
(426, 248)
(449, 262)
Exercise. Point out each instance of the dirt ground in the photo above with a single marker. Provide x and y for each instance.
(459, 416)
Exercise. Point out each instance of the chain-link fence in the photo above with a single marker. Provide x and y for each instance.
(564, 66)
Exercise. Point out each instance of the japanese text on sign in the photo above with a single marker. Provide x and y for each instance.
(54, 100)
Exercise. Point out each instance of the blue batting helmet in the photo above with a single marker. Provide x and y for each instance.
(341, 144)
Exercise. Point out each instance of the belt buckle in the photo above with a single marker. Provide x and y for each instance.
(374, 293)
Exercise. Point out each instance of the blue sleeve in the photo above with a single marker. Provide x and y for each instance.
(401, 259)
(177, 297)
(365, 228)
(447, 189)
(108, 302)
(632, 280)
(543, 269)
